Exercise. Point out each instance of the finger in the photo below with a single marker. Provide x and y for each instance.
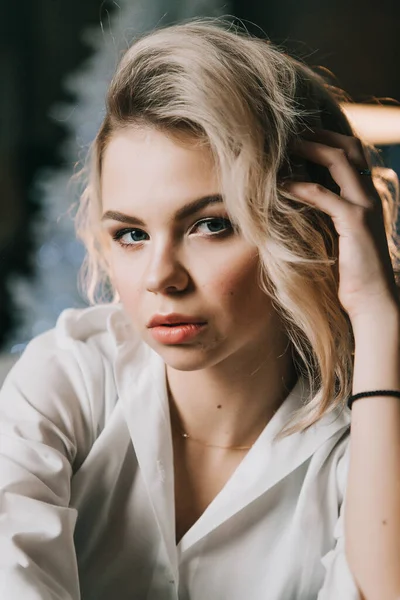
(345, 174)
(356, 152)
(353, 146)
(318, 196)
(348, 218)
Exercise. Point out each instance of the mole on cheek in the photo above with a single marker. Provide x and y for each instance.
(219, 406)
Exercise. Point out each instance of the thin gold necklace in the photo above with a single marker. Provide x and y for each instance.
(186, 436)
(189, 437)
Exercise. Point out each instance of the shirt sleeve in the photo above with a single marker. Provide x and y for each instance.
(339, 581)
(45, 430)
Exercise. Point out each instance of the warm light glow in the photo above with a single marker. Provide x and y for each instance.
(376, 124)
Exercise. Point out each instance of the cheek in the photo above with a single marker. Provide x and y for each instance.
(236, 284)
(125, 278)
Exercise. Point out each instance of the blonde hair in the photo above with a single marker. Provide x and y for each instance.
(246, 100)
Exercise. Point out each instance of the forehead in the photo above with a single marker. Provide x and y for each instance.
(142, 166)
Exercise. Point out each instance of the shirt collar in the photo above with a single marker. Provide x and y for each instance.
(141, 384)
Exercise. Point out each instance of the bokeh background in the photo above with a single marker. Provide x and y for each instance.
(56, 60)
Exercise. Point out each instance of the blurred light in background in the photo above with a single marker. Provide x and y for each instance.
(375, 123)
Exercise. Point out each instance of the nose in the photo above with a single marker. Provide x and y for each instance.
(166, 273)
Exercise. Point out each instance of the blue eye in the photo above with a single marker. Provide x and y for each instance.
(132, 236)
(215, 225)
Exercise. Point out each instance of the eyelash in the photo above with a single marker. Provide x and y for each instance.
(118, 235)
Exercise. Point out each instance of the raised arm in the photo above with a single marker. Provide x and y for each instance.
(368, 293)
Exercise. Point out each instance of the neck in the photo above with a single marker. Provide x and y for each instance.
(230, 404)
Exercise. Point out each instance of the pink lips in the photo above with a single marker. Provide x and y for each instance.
(175, 328)
(173, 319)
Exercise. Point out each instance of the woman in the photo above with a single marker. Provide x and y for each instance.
(191, 438)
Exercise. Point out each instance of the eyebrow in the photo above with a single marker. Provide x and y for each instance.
(185, 211)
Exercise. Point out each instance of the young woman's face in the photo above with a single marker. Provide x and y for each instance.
(173, 250)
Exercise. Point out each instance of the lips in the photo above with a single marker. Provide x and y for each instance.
(174, 319)
(174, 334)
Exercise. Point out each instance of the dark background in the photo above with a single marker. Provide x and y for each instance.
(41, 43)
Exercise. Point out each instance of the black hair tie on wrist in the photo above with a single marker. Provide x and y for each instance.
(395, 393)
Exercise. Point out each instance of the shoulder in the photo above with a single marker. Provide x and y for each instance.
(65, 378)
(96, 326)
(83, 340)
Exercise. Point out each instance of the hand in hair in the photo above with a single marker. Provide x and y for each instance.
(367, 283)
(368, 293)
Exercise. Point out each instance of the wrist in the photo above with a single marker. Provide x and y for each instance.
(377, 351)
(379, 323)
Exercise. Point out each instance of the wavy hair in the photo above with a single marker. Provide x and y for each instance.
(208, 81)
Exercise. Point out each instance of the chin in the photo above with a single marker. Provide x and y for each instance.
(184, 358)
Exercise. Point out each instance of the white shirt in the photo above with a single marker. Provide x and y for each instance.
(87, 485)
